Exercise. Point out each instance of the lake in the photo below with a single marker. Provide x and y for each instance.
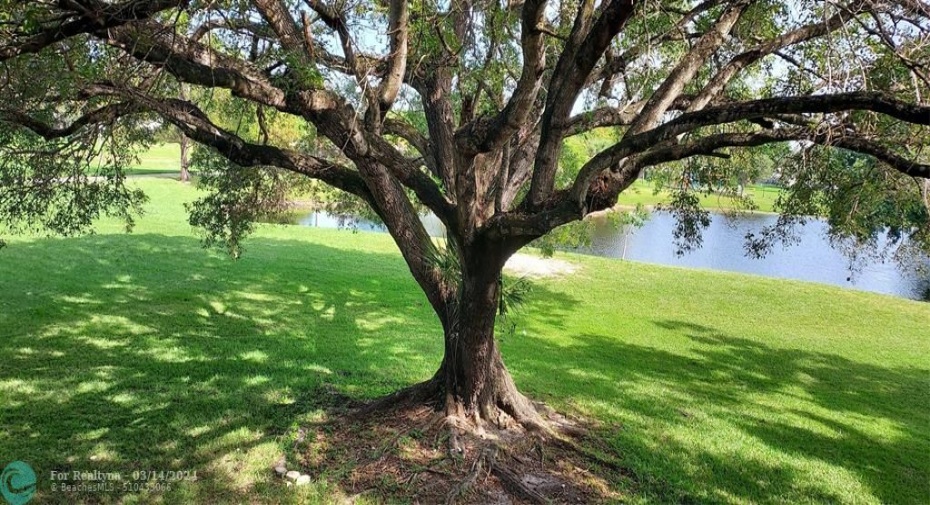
(813, 259)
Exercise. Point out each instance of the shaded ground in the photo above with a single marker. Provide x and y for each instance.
(402, 455)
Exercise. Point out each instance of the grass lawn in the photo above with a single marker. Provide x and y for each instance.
(643, 193)
(160, 158)
(145, 352)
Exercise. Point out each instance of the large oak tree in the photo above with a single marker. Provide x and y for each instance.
(463, 107)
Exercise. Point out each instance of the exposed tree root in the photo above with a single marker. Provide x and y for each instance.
(403, 448)
(465, 485)
(424, 393)
(514, 484)
(500, 406)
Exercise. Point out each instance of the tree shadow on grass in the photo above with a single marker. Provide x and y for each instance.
(145, 352)
(730, 419)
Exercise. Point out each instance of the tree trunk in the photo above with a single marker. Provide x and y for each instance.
(184, 141)
(925, 190)
(472, 382)
(185, 163)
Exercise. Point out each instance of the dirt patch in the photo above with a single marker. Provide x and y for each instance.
(403, 455)
(533, 266)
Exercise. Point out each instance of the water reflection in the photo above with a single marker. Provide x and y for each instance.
(812, 259)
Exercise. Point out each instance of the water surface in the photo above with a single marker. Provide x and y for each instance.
(812, 259)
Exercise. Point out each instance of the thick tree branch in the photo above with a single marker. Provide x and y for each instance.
(195, 124)
(392, 205)
(719, 81)
(614, 116)
(527, 226)
(92, 15)
(710, 144)
(406, 131)
(334, 20)
(483, 138)
(672, 86)
(615, 64)
(397, 61)
(408, 173)
(105, 114)
(435, 90)
(585, 47)
(235, 25)
(193, 62)
(278, 17)
(755, 109)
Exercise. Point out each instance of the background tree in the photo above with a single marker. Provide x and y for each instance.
(184, 142)
(464, 106)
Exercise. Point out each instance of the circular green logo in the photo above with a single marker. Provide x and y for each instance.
(18, 483)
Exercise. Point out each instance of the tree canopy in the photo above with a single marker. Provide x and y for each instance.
(465, 107)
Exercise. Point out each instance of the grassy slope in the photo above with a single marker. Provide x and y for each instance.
(642, 193)
(146, 352)
(160, 158)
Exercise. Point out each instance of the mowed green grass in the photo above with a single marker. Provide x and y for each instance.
(146, 352)
(159, 158)
(643, 193)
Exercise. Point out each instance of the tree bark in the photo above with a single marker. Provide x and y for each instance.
(925, 191)
(476, 384)
(472, 382)
(184, 141)
(185, 162)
